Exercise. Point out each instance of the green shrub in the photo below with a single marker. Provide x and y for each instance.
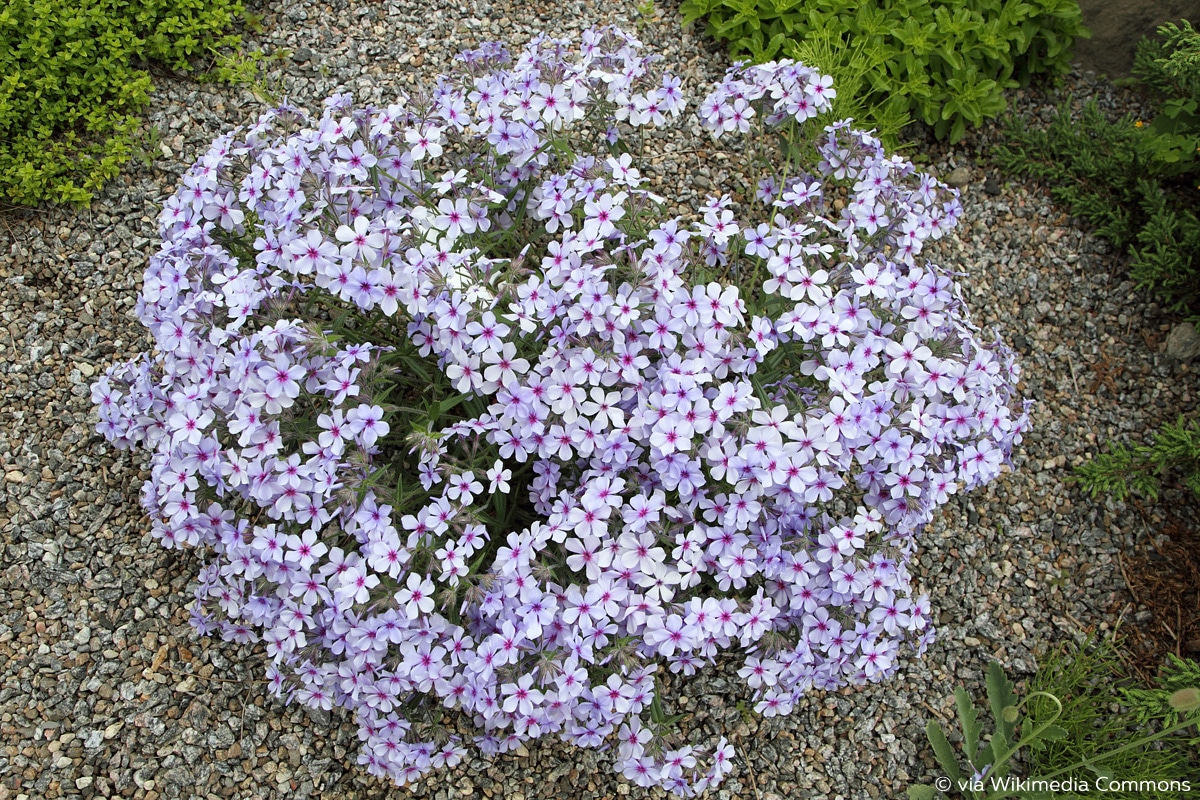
(70, 89)
(1171, 69)
(1136, 183)
(1138, 470)
(945, 61)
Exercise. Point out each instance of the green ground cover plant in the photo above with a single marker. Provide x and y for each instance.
(1074, 732)
(72, 82)
(1136, 182)
(1138, 470)
(1171, 69)
(944, 62)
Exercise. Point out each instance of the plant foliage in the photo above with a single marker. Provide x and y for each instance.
(944, 62)
(1149, 704)
(1171, 69)
(443, 397)
(1136, 182)
(1080, 738)
(1138, 469)
(70, 89)
(1098, 722)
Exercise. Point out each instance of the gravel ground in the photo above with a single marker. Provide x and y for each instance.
(107, 692)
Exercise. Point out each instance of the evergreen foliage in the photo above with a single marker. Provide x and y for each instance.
(71, 84)
(1136, 182)
(1138, 470)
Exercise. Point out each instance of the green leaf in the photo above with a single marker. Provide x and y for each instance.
(1000, 696)
(942, 750)
(1053, 733)
(693, 10)
(968, 717)
(441, 408)
(958, 129)
(951, 55)
(921, 792)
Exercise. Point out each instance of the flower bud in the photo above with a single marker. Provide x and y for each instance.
(1185, 700)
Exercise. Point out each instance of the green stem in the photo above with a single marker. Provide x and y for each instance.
(1145, 740)
(1000, 759)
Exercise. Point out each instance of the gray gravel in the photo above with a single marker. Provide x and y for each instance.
(107, 691)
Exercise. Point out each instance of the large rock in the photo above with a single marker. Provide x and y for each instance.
(1183, 343)
(1118, 25)
(958, 178)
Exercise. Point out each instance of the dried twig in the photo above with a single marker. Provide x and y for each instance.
(1179, 627)
(1074, 380)
(1128, 583)
(753, 782)
(1106, 373)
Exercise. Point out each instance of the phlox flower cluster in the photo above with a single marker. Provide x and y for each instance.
(436, 390)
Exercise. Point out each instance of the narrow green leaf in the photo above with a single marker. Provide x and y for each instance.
(1000, 696)
(942, 750)
(968, 717)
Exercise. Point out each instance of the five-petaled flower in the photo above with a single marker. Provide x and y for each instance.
(668, 468)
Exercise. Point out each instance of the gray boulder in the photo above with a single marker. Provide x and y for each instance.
(1183, 343)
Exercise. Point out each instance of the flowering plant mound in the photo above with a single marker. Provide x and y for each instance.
(462, 431)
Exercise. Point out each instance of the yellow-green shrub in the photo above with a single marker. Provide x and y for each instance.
(71, 89)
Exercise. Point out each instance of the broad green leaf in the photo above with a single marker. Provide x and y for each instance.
(958, 130)
(951, 55)
(776, 43)
(693, 10)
